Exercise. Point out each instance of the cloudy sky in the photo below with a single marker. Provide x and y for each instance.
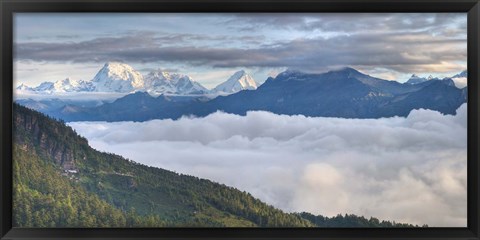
(211, 47)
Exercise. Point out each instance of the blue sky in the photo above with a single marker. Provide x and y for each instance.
(211, 47)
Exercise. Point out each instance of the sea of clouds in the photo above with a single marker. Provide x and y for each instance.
(410, 169)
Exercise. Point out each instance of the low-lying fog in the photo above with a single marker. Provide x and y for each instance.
(410, 169)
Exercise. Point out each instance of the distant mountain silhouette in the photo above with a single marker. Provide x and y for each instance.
(344, 93)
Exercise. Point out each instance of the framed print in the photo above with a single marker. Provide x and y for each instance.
(239, 119)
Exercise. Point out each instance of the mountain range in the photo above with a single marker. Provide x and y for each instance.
(122, 78)
(344, 93)
(60, 86)
(414, 79)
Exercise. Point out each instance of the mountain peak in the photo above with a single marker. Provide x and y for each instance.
(114, 64)
(347, 71)
(415, 79)
(239, 81)
(237, 75)
(24, 87)
(463, 74)
(118, 77)
(289, 73)
(242, 72)
(163, 82)
(140, 94)
(118, 70)
(158, 74)
(167, 76)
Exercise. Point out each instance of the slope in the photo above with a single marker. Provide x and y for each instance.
(65, 166)
(239, 81)
(60, 181)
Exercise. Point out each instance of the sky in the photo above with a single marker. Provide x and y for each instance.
(411, 169)
(211, 47)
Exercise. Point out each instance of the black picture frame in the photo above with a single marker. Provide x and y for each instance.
(9, 7)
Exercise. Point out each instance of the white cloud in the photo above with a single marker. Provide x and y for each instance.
(410, 169)
(460, 82)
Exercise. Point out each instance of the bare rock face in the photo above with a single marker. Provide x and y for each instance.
(61, 155)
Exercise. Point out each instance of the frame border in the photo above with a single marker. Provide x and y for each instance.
(9, 7)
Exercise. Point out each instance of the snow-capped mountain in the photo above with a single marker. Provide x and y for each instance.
(414, 79)
(69, 85)
(113, 77)
(118, 77)
(47, 87)
(239, 81)
(458, 80)
(122, 78)
(24, 87)
(160, 82)
(344, 93)
(64, 85)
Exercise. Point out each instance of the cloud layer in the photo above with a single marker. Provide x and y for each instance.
(404, 169)
(381, 43)
(408, 53)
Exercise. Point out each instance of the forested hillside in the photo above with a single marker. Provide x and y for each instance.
(60, 181)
